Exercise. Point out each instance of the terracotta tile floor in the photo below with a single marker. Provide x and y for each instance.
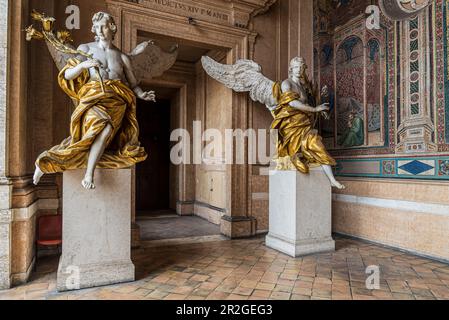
(246, 269)
(172, 226)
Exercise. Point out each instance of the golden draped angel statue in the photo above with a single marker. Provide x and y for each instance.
(295, 106)
(103, 82)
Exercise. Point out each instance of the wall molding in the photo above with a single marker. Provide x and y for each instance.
(410, 206)
(396, 248)
(23, 277)
(25, 214)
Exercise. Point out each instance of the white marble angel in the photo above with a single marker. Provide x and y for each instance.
(294, 104)
(103, 83)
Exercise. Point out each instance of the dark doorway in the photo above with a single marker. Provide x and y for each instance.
(153, 175)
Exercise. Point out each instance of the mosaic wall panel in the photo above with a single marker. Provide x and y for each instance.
(389, 90)
(431, 168)
(442, 53)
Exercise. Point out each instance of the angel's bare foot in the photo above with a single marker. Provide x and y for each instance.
(38, 174)
(88, 182)
(334, 183)
(338, 185)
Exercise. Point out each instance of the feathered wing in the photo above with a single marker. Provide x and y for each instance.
(150, 61)
(243, 76)
(61, 58)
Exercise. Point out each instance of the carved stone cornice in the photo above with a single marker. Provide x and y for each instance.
(402, 9)
(237, 13)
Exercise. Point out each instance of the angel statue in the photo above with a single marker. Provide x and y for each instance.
(103, 83)
(294, 104)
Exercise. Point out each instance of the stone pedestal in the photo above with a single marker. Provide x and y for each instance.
(96, 248)
(300, 213)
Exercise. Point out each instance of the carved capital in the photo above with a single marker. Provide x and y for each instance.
(244, 11)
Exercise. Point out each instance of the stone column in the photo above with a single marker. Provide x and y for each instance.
(5, 188)
(416, 130)
(237, 222)
(30, 124)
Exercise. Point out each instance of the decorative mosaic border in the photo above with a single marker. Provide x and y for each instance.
(425, 168)
(441, 59)
(442, 23)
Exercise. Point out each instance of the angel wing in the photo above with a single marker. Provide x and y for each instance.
(150, 61)
(243, 76)
(61, 58)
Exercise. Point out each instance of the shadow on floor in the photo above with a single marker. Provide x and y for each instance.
(166, 225)
(161, 225)
(246, 269)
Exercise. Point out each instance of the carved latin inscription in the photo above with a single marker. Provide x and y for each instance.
(189, 10)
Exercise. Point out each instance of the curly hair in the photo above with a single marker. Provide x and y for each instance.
(103, 15)
(296, 61)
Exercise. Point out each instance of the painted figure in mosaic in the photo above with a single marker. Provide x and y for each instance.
(103, 83)
(295, 106)
(354, 135)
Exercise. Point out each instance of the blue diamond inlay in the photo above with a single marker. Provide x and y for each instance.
(416, 167)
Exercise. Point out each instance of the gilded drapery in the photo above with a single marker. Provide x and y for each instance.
(95, 109)
(297, 138)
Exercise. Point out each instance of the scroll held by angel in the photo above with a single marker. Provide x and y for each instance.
(295, 106)
(103, 83)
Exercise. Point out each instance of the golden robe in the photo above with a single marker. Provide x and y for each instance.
(94, 111)
(297, 138)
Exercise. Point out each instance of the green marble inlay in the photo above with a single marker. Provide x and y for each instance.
(414, 24)
(414, 45)
(414, 66)
(415, 109)
(414, 87)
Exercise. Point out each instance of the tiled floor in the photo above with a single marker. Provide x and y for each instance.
(172, 226)
(246, 269)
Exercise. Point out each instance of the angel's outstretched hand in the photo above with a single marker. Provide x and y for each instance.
(148, 96)
(323, 107)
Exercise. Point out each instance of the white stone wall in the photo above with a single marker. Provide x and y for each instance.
(5, 188)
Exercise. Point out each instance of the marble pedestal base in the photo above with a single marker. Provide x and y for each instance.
(96, 249)
(300, 213)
